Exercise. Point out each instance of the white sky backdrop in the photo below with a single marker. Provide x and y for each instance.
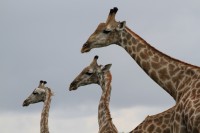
(41, 39)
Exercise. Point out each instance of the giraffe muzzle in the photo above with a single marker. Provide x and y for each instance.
(72, 86)
(85, 48)
(25, 103)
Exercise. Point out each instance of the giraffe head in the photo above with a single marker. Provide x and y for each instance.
(89, 75)
(106, 33)
(38, 95)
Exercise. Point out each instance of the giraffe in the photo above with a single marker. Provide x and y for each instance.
(159, 123)
(97, 74)
(178, 78)
(41, 94)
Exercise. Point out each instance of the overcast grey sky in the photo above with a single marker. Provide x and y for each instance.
(42, 40)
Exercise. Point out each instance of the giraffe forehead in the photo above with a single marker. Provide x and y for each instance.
(40, 90)
(100, 27)
(103, 26)
(90, 68)
(87, 69)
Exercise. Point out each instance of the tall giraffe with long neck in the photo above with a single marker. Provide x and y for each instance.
(95, 74)
(162, 68)
(41, 94)
(179, 79)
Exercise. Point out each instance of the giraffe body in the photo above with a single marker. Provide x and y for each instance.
(41, 94)
(159, 123)
(102, 76)
(177, 78)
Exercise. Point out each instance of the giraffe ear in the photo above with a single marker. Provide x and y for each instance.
(121, 25)
(106, 67)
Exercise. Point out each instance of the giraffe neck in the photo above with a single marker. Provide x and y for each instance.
(167, 72)
(104, 117)
(45, 112)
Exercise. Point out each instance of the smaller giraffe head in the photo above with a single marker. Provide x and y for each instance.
(106, 33)
(89, 75)
(38, 95)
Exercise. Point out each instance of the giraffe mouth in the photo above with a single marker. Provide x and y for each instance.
(72, 87)
(25, 103)
(85, 50)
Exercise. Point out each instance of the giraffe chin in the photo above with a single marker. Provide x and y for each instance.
(72, 88)
(85, 50)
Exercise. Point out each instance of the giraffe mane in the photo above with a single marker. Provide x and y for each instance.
(170, 58)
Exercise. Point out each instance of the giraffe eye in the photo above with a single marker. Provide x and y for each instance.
(35, 93)
(106, 31)
(88, 73)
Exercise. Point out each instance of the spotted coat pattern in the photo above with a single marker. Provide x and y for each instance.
(177, 78)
